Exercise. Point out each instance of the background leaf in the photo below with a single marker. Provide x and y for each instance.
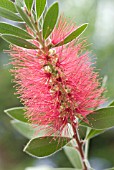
(47, 168)
(25, 129)
(25, 17)
(19, 3)
(73, 156)
(7, 4)
(40, 5)
(18, 41)
(32, 168)
(17, 113)
(93, 133)
(112, 103)
(9, 15)
(10, 29)
(45, 146)
(50, 20)
(29, 130)
(101, 119)
(28, 4)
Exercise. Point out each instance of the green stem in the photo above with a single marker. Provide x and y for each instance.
(87, 144)
(79, 146)
(35, 25)
(87, 147)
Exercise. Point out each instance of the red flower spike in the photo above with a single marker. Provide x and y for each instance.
(59, 86)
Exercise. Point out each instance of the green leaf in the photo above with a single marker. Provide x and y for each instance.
(109, 169)
(28, 4)
(9, 15)
(74, 34)
(32, 168)
(93, 133)
(17, 113)
(74, 157)
(25, 129)
(25, 17)
(34, 15)
(50, 20)
(18, 41)
(9, 5)
(35, 168)
(19, 3)
(10, 29)
(45, 146)
(112, 103)
(100, 119)
(29, 130)
(40, 6)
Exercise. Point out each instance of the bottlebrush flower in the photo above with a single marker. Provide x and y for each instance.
(59, 85)
(62, 30)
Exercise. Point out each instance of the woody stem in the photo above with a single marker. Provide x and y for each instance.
(79, 146)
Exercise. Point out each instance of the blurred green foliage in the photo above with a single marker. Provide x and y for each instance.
(99, 14)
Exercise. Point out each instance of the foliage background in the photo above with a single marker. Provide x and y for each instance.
(99, 14)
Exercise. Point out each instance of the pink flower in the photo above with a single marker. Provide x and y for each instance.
(58, 86)
(62, 30)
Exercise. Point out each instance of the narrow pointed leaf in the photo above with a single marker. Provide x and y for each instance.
(74, 157)
(100, 119)
(34, 15)
(29, 4)
(35, 168)
(25, 129)
(18, 41)
(93, 133)
(112, 103)
(40, 6)
(50, 20)
(17, 113)
(19, 3)
(74, 34)
(7, 4)
(45, 146)
(25, 17)
(28, 130)
(9, 15)
(10, 29)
